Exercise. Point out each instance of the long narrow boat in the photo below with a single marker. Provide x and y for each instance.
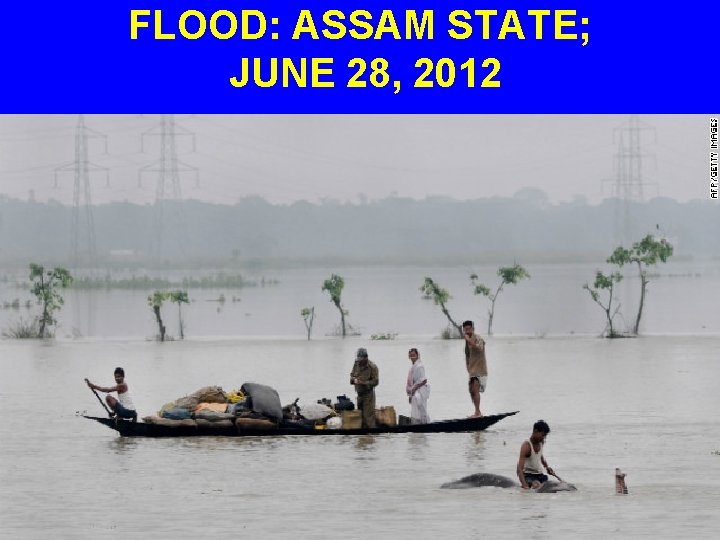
(127, 428)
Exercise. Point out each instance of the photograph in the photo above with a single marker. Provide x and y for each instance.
(351, 325)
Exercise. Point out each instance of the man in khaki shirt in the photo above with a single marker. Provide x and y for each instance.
(476, 364)
(365, 377)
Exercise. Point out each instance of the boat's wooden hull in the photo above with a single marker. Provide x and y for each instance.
(141, 429)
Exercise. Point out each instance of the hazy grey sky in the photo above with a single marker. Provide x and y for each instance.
(289, 158)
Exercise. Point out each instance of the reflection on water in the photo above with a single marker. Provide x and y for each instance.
(475, 449)
(122, 445)
(418, 444)
(84, 312)
(364, 443)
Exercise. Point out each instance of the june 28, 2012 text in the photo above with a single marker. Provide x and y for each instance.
(360, 24)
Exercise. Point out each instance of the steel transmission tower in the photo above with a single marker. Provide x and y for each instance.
(81, 190)
(629, 182)
(168, 193)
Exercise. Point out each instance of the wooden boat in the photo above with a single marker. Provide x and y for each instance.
(127, 428)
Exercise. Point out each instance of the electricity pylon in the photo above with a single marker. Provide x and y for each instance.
(629, 181)
(168, 190)
(81, 167)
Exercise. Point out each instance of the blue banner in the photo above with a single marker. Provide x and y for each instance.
(360, 56)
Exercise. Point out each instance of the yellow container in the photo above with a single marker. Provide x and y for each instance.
(236, 396)
(351, 419)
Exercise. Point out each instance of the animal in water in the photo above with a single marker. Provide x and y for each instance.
(551, 486)
(481, 480)
(497, 480)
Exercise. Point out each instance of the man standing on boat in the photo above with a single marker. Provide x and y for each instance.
(122, 406)
(476, 364)
(365, 377)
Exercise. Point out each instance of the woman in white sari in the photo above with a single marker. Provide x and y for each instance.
(418, 389)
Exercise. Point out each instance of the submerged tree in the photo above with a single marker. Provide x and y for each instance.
(440, 297)
(180, 298)
(605, 283)
(45, 287)
(308, 315)
(155, 301)
(646, 252)
(509, 275)
(334, 286)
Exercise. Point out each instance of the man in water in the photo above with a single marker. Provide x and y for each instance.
(123, 406)
(531, 461)
(475, 363)
(365, 377)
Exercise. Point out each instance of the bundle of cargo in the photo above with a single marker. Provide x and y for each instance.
(169, 422)
(184, 407)
(254, 406)
(213, 415)
(206, 394)
(247, 422)
(171, 412)
(334, 422)
(344, 403)
(263, 400)
(385, 416)
(210, 408)
(316, 412)
(351, 419)
(215, 421)
(309, 415)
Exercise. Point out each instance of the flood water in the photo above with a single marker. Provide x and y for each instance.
(647, 405)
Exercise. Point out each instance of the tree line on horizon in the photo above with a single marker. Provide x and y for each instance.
(256, 234)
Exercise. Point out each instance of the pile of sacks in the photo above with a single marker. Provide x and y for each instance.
(254, 406)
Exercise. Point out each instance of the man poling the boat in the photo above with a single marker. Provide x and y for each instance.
(123, 406)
